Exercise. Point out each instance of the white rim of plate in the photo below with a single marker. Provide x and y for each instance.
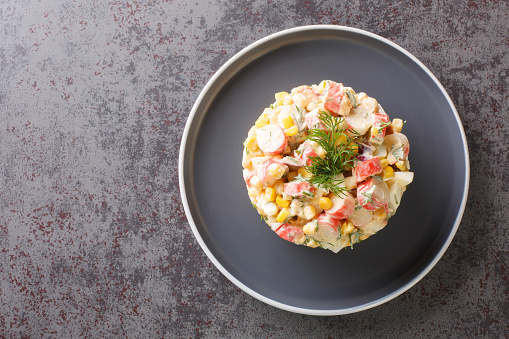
(248, 290)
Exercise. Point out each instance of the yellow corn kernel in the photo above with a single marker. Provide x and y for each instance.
(363, 237)
(287, 121)
(280, 97)
(309, 228)
(374, 131)
(263, 120)
(397, 125)
(354, 147)
(283, 214)
(304, 173)
(282, 202)
(347, 228)
(342, 138)
(292, 131)
(401, 165)
(380, 213)
(388, 172)
(384, 163)
(251, 143)
(291, 175)
(270, 194)
(276, 170)
(325, 203)
(309, 212)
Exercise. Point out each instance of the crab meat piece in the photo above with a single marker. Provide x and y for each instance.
(368, 168)
(327, 227)
(361, 118)
(313, 121)
(306, 152)
(342, 206)
(291, 233)
(291, 162)
(271, 139)
(379, 128)
(303, 95)
(298, 188)
(333, 98)
(306, 156)
(397, 147)
(360, 217)
(257, 161)
(270, 170)
(373, 193)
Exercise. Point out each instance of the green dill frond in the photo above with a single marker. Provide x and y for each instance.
(354, 238)
(352, 98)
(383, 125)
(325, 170)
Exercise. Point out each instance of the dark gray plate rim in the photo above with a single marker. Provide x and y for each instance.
(211, 89)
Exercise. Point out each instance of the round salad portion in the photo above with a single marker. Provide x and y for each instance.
(325, 167)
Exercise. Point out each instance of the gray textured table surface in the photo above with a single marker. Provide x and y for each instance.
(93, 237)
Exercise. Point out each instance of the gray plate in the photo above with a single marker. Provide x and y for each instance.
(297, 278)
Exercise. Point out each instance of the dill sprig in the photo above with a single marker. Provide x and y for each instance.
(339, 155)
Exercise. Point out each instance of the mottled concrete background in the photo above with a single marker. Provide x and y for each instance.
(94, 95)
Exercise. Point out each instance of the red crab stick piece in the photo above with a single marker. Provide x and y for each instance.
(373, 193)
(271, 139)
(265, 171)
(304, 153)
(313, 121)
(327, 226)
(397, 147)
(306, 156)
(342, 206)
(333, 98)
(298, 188)
(290, 233)
(368, 168)
(380, 128)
